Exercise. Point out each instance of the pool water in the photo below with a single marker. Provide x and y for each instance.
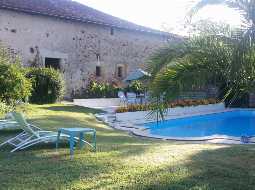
(234, 123)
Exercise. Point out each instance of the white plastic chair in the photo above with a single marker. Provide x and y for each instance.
(122, 97)
(9, 122)
(131, 98)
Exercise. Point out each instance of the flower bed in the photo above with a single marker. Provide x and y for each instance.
(177, 103)
(139, 117)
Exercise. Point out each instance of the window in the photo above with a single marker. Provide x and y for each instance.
(98, 71)
(112, 31)
(52, 63)
(98, 57)
(120, 71)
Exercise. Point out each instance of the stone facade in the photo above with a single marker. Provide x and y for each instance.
(79, 47)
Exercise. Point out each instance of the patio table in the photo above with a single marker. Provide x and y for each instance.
(76, 132)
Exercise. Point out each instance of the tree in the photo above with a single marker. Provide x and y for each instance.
(246, 34)
(226, 61)
(14, 85)
(195, 64)
(243, 63)
(208, 27)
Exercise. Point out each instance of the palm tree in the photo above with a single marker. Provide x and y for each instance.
(246, 8)
(243, 62)
(190, 65)
(228, 63)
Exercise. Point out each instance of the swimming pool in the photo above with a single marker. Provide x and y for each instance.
(226, 124)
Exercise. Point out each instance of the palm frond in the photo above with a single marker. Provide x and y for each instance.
(244, 7)
(207, 62)
(226, 62)
(203, 3)
(165, 55)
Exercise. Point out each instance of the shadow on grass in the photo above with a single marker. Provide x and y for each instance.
(26, 170)
(73, 109)
(227, 168)
(54, 122)
(5, 132)
(43, 168)
(107, 138)
(231, 167)
(124, 162)
(105, 134)
(40, 167)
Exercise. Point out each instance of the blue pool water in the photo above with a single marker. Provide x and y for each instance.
(234, 123)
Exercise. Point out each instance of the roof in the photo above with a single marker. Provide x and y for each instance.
(71, 10)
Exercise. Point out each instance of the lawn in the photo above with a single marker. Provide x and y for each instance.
(122, 161)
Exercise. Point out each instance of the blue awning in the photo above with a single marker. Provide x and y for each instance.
(137, 74)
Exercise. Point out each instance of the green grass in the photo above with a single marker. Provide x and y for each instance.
(122, 161)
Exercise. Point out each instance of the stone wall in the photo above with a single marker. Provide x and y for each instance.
(79, 46)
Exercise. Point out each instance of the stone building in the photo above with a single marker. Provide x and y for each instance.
(79, 41)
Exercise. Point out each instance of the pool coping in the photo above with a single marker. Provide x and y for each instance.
(137, 129)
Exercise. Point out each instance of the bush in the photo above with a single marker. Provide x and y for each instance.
(100, 90)
(134, 107)
(136, 87)
(48, 85)
(177, 103)
(4, 108)
(14, 85)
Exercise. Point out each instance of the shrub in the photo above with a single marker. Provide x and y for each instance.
(48, 85)
(4, 108)
(14, 85)
(134, 107)
(100, 90)
(136, 87)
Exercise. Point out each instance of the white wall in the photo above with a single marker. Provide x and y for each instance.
(98, 102)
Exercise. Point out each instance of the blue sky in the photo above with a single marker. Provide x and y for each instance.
(162, 14)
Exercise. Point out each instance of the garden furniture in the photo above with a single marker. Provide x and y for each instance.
(8, 122)
(73, 133)
(122, 97)
(31, 135)
(131, 98)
